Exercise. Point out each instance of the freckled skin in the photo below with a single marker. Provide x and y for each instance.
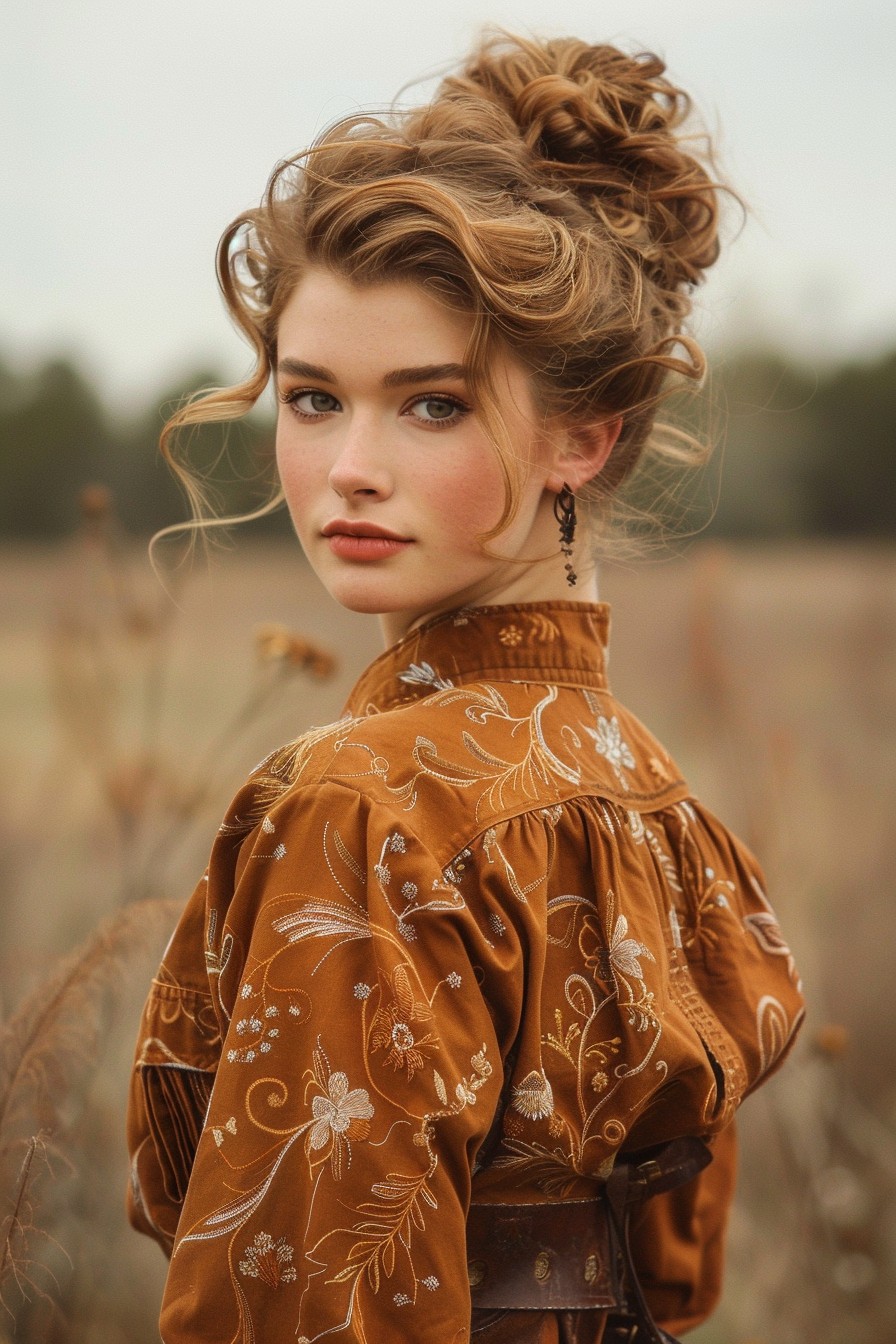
(413, 459)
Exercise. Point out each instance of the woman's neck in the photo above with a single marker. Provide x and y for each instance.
(532, 583)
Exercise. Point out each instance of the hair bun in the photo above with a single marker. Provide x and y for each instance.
(603, 125)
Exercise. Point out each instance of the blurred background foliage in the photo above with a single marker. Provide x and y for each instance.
(57, 436)
(801, 452)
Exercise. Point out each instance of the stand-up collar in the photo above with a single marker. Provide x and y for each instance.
(563, 643)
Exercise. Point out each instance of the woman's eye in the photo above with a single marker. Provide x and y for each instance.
(437, 410)
(311, 403)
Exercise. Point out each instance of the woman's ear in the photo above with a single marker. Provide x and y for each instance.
(581, 451)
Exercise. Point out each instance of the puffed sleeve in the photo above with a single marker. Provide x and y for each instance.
(359, 1071)
(178, 1046)
(664, 994)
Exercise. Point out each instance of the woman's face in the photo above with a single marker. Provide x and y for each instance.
(388, 473)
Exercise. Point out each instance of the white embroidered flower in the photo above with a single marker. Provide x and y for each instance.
(269, 1261)
(624, 952)
(382, 873)
(337, 1112)
(361, 991)
(279, 852)
(397, 844)
(608, 742)
(272, 1011)
(430, 1282)
(409, 890)
(401, 1300)
(247, 991)
(454, 980)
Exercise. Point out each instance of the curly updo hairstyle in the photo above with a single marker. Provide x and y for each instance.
(547, 191)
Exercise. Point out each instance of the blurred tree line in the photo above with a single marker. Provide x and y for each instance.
(799, 453)
(57, 437)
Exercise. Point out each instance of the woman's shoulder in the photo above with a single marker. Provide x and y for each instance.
(466, 757)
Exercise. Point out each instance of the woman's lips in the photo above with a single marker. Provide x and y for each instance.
(350, 546)
(363, 541)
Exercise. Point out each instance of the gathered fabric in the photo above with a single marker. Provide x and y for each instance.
(487, 866)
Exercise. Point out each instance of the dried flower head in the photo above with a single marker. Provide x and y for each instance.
(832, 1040)
(95, 502)
(277, 644)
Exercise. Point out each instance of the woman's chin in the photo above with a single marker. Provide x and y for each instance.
(367, 598)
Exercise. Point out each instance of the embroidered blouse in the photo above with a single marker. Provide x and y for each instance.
(488, 854)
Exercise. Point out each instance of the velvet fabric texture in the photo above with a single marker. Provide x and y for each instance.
(487, 857)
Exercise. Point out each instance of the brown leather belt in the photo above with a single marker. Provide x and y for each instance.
(574, 1255)
(557, 1256)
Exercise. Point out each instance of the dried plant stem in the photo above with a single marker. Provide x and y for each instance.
(19, 1225)
(14, 1226)
(57, 1023)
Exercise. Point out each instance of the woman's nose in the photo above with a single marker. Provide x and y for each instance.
(360, 467)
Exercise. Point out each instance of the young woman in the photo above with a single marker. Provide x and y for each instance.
(471, 975)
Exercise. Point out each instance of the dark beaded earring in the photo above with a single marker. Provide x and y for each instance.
(565, 513)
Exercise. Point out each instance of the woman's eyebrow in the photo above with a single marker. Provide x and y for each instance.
(425, 373)
(297, 368)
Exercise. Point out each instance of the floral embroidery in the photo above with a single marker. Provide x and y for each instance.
(608, 742)
(624, 952)
(393, 1028)
(269, 1261)
(341, 1117)
(500, 781)
(339, 1111)
(622, 955)
(510, 636)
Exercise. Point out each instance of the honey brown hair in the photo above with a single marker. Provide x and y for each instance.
(549, 191)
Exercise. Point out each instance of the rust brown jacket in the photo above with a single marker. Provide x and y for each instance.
(487, 854)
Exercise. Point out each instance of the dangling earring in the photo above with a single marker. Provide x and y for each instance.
(565, 513)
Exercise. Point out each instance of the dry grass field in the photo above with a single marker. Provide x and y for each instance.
(127, 722)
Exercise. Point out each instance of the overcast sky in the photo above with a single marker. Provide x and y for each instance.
(135, 131)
